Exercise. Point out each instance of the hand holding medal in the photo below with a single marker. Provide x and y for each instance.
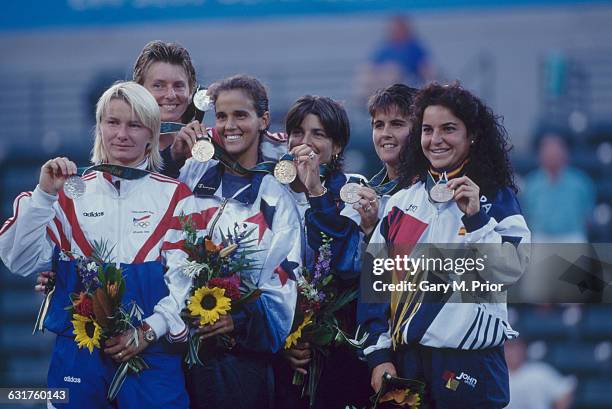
(466, 194)
(203, 149)
(60, 173)
(308, 169)
(367, 207)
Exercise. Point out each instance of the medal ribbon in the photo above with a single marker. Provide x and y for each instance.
(170, 127)
(264, 167)
(122, 172)
(375, 184)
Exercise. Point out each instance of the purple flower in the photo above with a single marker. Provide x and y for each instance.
(88, 271)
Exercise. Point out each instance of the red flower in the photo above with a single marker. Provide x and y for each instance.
(83, 305)
(230, 284)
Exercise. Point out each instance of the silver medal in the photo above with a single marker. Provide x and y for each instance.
(203, 150)
(202, 100)
(285, 171)
(74, 187)
(349, 193)
(440, 193)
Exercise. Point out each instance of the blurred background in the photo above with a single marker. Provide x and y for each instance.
(544, 65)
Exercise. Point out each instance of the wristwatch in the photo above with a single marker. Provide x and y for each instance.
(148, 333)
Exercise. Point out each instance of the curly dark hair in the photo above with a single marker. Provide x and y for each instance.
(489, 166)
(332, 115)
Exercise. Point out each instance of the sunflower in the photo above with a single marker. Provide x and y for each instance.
(209, 304)
(294, 337)
(403, 398)
(87, 332)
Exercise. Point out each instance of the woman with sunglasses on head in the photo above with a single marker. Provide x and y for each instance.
(242, 377)
(460, 189)
(52, 227)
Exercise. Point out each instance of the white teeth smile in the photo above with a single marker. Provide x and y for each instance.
(232, 137)
(439, 150)
(389, 146)
(169, 107)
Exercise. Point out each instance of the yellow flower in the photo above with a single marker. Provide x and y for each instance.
(112, 289)
(402, 398)
(209, 304)
(87, 332)
(228, 250)
(294, 337)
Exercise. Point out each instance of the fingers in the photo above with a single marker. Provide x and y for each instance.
(298, 357)
(299, 353)
(467, 192)
(42, 280)
(461, 181)
(305, 154)
(190, 133)
(298, 363)
(61, 167)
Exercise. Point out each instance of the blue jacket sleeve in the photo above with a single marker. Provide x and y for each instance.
(324, 216)
(373, 314)
(170, 167)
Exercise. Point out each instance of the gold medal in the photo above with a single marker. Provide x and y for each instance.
(202, 100)
(285, 171)
(203, 150)
(349, 193)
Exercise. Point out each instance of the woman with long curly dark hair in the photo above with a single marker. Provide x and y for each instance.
(488, 165)
(459, 190)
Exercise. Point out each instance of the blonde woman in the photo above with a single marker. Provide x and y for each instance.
(133, 209)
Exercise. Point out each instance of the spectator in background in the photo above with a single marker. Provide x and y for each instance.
(558, 199)
(535, 385)
(401, 58)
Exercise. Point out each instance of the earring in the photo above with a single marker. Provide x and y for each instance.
(472, 141)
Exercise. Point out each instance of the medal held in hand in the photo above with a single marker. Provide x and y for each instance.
(203, 150)
(440, 193)
(202, 100)
(74, 187)
(349, 193)
(285, 170)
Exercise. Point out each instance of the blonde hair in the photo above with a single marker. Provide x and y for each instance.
(146, 109)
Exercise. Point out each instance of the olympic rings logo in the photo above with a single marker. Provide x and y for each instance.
(142, 224)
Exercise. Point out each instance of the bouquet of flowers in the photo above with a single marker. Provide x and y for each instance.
(98, 314)
(217, 285)
(398, 393)
(319, 298)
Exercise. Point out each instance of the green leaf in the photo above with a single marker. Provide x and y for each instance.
(118, 380)
(248, 297)
(342, 300)
(319, 334)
